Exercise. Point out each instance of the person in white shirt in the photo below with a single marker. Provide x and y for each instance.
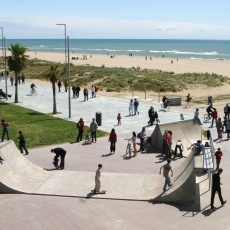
(179, 146)
(97, 179)
(131, 107)
(92, 91)
(196, 116)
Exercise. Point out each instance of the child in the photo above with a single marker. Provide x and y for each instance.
(166, 169)
(119, 119)
(181, 116)
(220, 135)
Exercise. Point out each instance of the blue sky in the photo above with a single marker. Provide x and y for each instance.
(168, 19)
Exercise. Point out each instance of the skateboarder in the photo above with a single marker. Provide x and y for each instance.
(59, 152)
(216, 188)
(97, 179)
(22, 143)
(166, 169)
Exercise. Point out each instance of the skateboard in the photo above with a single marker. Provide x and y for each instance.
(55, 163)
(101, 192)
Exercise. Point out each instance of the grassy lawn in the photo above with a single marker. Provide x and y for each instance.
(39, 129)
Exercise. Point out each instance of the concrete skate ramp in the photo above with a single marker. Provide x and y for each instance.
(188, 131)
(18, 175)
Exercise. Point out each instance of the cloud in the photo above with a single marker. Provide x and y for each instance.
(85, 27)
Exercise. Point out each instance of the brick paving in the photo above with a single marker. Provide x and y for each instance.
(49, 212)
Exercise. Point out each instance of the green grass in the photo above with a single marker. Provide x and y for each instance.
(121, 79)
(39, 129)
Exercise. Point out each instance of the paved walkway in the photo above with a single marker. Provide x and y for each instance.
(42, 212)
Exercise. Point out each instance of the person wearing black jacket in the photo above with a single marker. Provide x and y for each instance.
(60, 152)
(22, 143)
(226, 111)
(216, 188)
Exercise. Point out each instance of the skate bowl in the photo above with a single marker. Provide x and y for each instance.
(19, 175)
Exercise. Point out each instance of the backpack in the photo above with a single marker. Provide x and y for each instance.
(112, 138)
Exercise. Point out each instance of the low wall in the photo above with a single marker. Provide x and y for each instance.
(175, 101)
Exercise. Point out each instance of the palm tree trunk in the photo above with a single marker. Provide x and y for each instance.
(16, 88)
(54, 99)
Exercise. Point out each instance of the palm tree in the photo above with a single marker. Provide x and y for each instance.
(17, 62)
(53, 79)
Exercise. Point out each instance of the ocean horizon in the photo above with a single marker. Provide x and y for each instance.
(172, 48)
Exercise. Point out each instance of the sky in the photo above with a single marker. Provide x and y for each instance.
(124, 19)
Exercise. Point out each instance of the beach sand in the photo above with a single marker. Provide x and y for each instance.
(181, 66)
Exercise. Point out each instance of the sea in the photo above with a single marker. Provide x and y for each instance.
(173, 48)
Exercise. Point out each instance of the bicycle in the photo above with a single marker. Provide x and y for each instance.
(87, 137)
(128, 148)
(33, 92)
(167, 108)
(207, 117)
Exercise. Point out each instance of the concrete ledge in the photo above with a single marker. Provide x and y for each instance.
(175, 101)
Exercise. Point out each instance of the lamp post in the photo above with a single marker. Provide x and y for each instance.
(69, 80)
(6, 77)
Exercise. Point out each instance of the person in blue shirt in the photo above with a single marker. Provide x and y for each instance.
(136, 104)
(198, 147)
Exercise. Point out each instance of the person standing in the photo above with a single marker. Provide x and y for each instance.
(23, 78)
(131, 107)
(188, 101)
(150, 114)
(96, 89)
(59, 86)
(93, 129)
(80, 126)
(92, 91)
(216, 188)
(12, 81)
(66, 85)
(218, 155)
(22, 143)
(97, 179)
(136, 104)
(119, 119)
(214, 116)
(5, 125)
(85, 92)
(226, 111)
(167, 145)
(112, 140)
(77, 91)
(19, 79)
(166, 169)
(60, 152)
(74, 91)
(228, 129)
(142, 137)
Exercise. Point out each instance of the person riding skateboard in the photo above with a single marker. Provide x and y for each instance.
(97, 179)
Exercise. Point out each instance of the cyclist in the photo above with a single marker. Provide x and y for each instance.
(33, 86)
(209, 110)
(165, 101)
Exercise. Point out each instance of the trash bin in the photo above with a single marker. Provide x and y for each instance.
(99, 118)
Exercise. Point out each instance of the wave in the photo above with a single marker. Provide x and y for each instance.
(134, 50)
(210, 59)
(113, 50)
(185, 52)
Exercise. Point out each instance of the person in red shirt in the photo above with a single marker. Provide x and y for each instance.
(5, 125)
(167, 145)
(96, 89)
(188, 101)
(214, 115)
(112, 140)
(218, 155)
(80, 126)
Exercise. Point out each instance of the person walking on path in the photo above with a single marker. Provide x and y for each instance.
(214, 116)
(60, 152)
(80, 126)
(96, 89)
(77, 91)
(93, 129)
(85, 92)
(216, 188)
(59, 86)
(142, 137)
(136, 104)
(225, 121)
(66, 85)
(98, 179)
(188, 101)
(74, 91)
(5, 125)
(12, 81)
(92, 90)
(22, 143)
(226, 111)
(23, 78)
(112, 140)
(166, 169)
(218, 155)
(119, 119)
(150, 112)
(131, 107)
